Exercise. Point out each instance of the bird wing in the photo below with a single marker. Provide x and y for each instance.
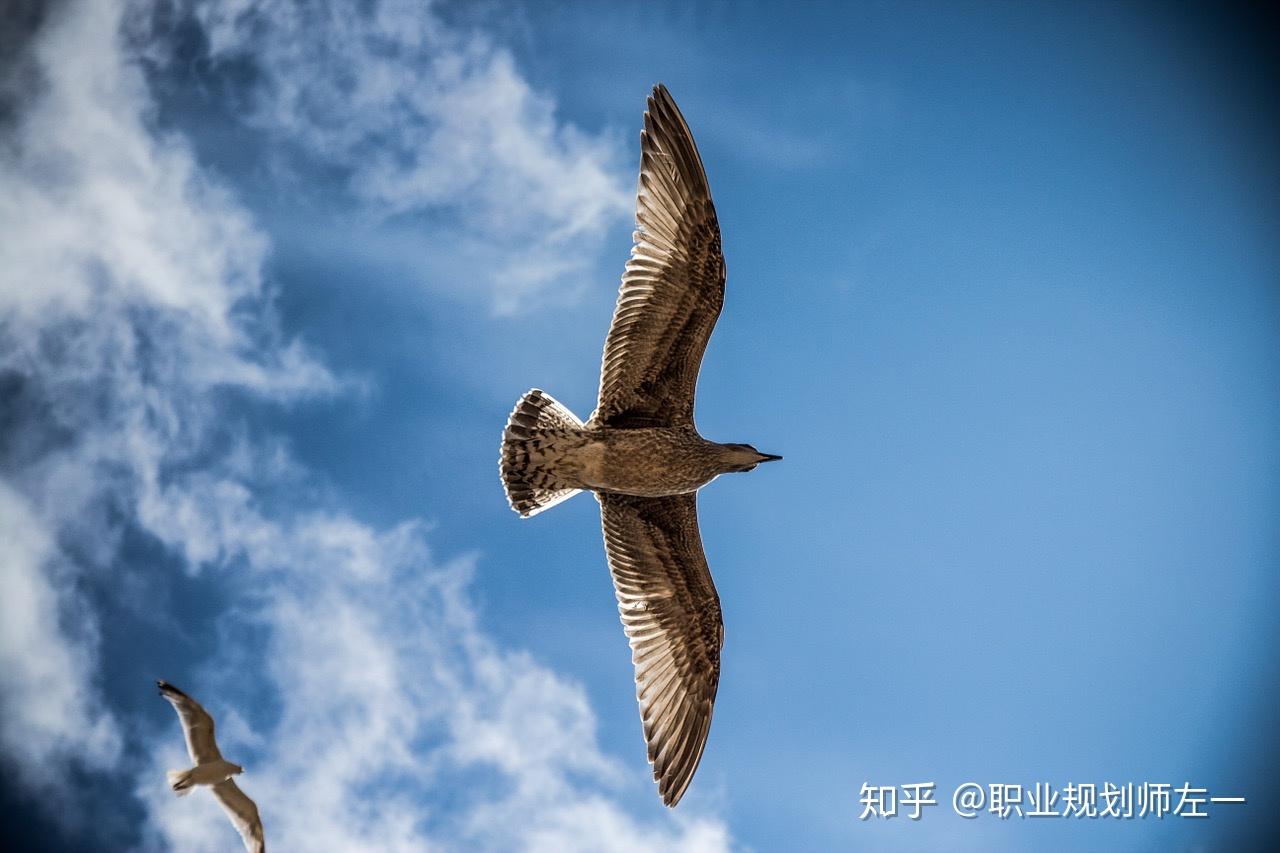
(197, 725)
(673, 286)
(671, 614)
(243, 813)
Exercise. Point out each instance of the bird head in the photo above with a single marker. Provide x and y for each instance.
(744, 457)
(238, 770)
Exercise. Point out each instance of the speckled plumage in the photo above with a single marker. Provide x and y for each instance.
(641, 453)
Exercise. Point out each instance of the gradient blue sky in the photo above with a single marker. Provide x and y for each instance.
(1004, 290)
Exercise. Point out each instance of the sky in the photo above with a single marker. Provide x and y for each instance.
(1004, 291)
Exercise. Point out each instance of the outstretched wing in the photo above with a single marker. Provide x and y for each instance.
(243, 813)
(671, 614)
(673, 286)
(197, 725)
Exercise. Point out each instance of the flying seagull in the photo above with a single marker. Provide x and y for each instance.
(641, 453)
(212, 769)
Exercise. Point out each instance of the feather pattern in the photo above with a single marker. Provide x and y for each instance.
(673, 286)
(671, 614)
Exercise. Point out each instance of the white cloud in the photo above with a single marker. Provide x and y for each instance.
(49, 719)
(422, 118)
(124, 271)
(132, 302)
(401, 725)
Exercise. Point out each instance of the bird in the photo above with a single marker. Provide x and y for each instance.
(211, 769)
(642, 455)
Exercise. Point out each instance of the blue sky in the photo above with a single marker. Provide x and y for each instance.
(1003, 290)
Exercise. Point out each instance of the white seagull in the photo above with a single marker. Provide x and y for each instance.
(211, 769)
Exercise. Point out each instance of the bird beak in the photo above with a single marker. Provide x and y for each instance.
(768, 457)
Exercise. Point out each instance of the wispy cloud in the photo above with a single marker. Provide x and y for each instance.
(423, 119)
(400, 725)
(350, 671)
(49, 719)
(128, 284)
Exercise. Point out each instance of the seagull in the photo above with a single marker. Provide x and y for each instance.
(640, 452)
(212, 769)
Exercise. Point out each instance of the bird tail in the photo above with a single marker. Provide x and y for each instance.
(180, 782)
(527, 457)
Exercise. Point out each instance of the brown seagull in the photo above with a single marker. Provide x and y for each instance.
(641, 453)
(211, 769)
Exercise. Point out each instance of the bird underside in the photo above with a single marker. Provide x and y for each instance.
(206, 775)
(547, 459)
(640, 452)
(211, 770)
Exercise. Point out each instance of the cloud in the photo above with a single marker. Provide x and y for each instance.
(349, 671)
(400, 725)
(49, 721)
(128, 286)
(422, 119)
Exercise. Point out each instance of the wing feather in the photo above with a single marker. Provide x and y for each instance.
(673, 286)
(671, 614)
(243, 813)
(197, 725)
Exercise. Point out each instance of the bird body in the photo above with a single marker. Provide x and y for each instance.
(642, 455)
(209, 773)
(643, 461)
(659, 461)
